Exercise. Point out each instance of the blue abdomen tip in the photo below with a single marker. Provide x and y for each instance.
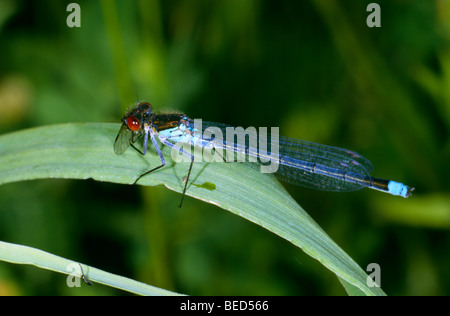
(397, 188)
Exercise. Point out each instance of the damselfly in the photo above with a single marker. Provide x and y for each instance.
(300, 162)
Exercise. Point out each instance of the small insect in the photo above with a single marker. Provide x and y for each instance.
(84, 277)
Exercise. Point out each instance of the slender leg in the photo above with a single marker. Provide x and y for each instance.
(187, 179)
(163, 161)
(138, 150)
(134, 138)
(161, 157)
(215, 150)
(221, 156)
(165, 142)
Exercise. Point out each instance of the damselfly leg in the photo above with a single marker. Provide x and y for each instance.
(161, 157)
(173, 146)
(158, 150)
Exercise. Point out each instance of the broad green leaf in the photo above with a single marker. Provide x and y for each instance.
(85, 150)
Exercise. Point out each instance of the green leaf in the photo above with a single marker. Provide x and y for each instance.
(85, 150)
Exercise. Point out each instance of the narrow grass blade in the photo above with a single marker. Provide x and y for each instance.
(27, 255)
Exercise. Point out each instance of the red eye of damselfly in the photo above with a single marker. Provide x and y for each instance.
(133, 123)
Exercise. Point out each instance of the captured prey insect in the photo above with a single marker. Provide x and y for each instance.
(300, 162)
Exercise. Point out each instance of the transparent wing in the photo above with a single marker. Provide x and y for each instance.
(303, 163)
(299, 158)
(123, 140)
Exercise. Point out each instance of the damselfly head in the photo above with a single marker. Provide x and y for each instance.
(136, 116)
(144, 107)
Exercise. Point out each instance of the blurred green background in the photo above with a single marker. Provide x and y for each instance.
(313, 68)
